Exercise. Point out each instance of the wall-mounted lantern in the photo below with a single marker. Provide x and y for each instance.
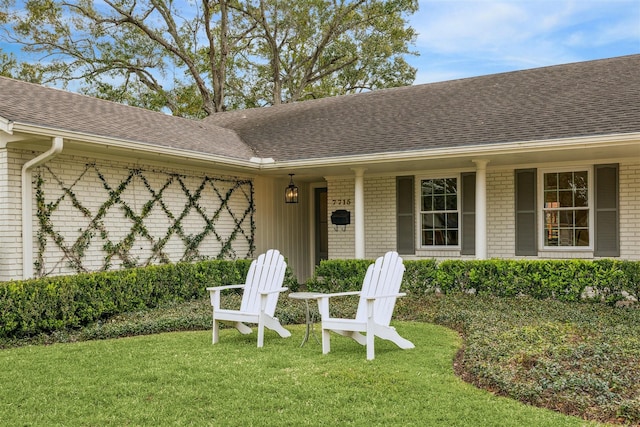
(291, 192)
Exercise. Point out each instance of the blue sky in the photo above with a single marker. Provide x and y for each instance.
(465, 38)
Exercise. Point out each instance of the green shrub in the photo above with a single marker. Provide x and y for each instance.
(30, 307)
(338, 275)
(565, 280)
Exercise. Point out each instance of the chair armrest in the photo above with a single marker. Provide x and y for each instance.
(222, 288)
(215, 291)
(401, 294)
(273, 291)
(323, 301)
(336, 294)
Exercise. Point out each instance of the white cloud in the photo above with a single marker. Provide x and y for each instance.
(462, 38)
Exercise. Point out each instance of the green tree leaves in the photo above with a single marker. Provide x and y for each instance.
(197, 58)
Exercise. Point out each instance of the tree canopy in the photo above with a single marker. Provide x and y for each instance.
(197, 57)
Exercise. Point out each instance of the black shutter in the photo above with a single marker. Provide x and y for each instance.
(405, 211)
(525, 188)
(607, 227)
(468, 200)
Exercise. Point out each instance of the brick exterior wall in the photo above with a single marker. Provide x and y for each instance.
(380, 217)
(630, 210)
(81, 186)
(501, 239)
(68, 171)
(340, 195)
(11, 162)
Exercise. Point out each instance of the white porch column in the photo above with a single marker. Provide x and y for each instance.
(359, 212)
(481, 208)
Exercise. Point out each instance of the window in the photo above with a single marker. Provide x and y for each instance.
(439, 212)
(566, 209)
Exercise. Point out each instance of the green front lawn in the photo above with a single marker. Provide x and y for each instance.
(181, 379)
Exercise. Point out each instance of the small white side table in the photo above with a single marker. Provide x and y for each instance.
(306, 296)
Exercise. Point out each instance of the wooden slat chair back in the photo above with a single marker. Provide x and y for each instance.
(261, 290)
(381, 281)
(265, 274)
(380, 289)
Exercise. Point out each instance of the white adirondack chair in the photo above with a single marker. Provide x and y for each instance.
(377, 300)
(261, 291)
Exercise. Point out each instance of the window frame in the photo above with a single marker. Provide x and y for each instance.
(590, 208)
(420, 212)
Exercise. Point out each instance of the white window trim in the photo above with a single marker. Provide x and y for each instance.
(418, 184)
(540, 209)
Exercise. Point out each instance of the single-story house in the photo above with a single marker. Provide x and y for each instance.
(536, 164)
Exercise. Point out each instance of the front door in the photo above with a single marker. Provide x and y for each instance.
(321, 225)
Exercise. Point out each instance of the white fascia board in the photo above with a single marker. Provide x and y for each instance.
(135, 146)
(6, 125)
(262, 160)
(470, 150)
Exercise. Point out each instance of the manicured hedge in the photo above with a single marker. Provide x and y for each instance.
(566, 280)
(35, 306)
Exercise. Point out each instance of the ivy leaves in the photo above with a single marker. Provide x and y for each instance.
(161, 243)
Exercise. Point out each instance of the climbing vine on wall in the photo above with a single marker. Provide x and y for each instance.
(142, 221)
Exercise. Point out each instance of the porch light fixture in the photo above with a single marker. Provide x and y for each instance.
(291, 192)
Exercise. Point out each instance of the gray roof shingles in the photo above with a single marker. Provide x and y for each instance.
(581, 99)
(57, 109)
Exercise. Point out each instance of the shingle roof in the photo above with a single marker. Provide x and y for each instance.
(581, 99)
(37, 105)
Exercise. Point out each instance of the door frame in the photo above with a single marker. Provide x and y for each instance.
(313, 220)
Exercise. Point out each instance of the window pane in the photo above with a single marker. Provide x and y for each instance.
(565, 180)
(438, 186)
(551, 237)
(582, 199)
(582, 237)
(565, 199)
(439, 203)
(451, 186)
(551, 199)
(427, 221)
(582, 218)
(580, 180)
(452, 237)
(550, 181)
(452, 202)
(427, 203)
(566, 218)
(566, 213)
(427, 187)
(566, 237)
(439, 220)
(452, 220)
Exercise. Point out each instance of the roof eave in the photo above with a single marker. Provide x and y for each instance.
(479, 151)
(116, 143)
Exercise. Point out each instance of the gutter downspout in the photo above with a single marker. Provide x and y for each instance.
(27, 204)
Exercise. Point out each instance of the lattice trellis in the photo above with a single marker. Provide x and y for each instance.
(229, 226)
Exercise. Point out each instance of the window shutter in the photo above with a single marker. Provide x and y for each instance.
(405, 211)
(607, 234)
(468, 213)
(525, 187)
